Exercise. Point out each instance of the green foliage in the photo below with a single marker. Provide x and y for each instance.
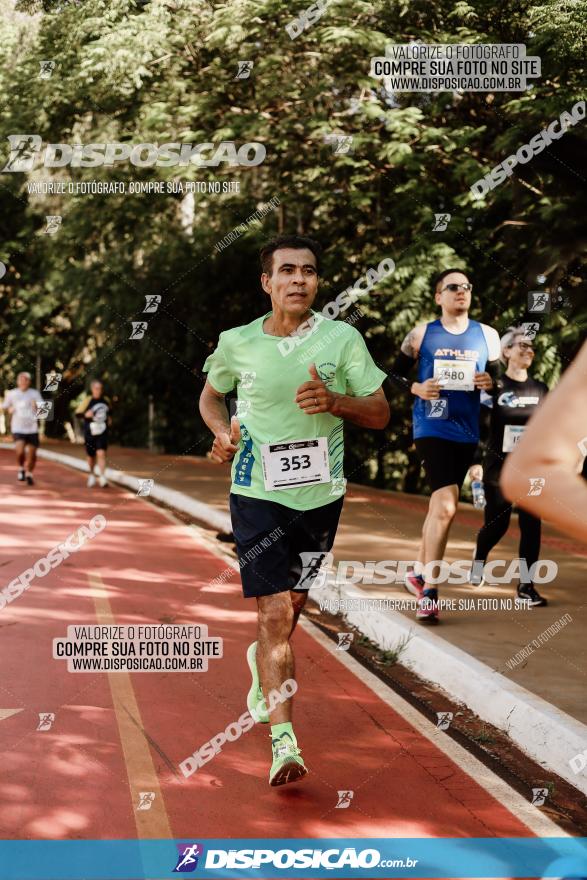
(164, 71)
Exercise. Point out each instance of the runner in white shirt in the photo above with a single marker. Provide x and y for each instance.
(21, 402)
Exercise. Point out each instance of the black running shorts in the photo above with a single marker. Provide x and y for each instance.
(28, 439)
(270, 538)
(446, 462)
(94, 442)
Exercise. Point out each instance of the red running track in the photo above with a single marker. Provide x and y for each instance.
(117, 734)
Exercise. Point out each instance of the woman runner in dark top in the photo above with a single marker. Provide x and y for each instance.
(504, 418)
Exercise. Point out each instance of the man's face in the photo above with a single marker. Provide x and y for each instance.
(451, 296)
(23, 382)
(96, 389)
(293, 282)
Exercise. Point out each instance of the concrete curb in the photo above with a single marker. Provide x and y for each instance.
(215, 519)
(539, 729)
(542, 731)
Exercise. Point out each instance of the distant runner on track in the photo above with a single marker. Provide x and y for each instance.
(287, 444)
(95, 411)
(457, 358)
(21, 402)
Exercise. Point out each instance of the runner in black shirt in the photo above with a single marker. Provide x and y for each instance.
(511, 404)
(95, 412)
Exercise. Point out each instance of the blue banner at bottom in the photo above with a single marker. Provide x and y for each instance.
(552, 857)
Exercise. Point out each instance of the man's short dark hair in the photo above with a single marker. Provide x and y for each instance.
(436, 281)
(288, 241)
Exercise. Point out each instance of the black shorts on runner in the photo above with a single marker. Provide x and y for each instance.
(446, 462)
(270, 538)
(29, 439)
(100, 441)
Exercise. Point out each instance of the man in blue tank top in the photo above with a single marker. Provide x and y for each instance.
(457, 358)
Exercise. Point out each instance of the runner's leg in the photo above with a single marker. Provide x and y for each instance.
(446, 464)
(441, 512)
(275, 660)
(498, 513)
(31, 457)
(298, 600)
(19, 449)
(420, 558)
(101, 456)
(275, 663)
(530, 535)
(530, 532)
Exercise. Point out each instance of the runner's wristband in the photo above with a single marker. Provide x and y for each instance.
(495, 370)
(400, 369)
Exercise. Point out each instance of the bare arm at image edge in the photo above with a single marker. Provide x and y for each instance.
(549, 450)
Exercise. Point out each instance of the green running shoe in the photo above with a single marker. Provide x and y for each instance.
(255, 698)
(288, 764)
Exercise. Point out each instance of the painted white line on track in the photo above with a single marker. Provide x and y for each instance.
(8, 713)
(140, 768)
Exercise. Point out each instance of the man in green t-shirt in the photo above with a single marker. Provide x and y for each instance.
(298, 376)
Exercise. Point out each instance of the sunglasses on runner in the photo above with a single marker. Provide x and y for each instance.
(454, 287)
(525, 346)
